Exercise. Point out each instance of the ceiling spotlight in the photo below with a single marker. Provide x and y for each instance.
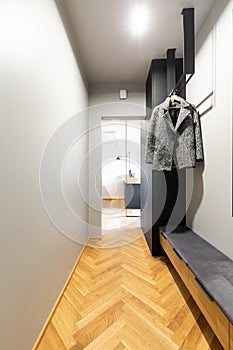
(139, 19)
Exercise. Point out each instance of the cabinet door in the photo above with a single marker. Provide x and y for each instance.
(132, 196)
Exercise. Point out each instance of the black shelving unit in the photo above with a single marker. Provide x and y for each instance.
(160, 191)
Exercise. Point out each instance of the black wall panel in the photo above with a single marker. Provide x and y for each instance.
(160, 191)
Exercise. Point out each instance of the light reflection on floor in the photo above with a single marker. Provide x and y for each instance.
(114, 216)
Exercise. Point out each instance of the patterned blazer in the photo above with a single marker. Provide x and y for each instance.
(177, 146)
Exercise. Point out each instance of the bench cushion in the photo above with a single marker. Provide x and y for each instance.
(213, 269)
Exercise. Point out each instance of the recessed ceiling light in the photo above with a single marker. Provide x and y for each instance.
(139, 19)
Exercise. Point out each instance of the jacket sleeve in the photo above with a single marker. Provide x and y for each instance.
(198, 137)
(150, 140)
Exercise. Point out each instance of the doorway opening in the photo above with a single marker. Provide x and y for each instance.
(121, 173)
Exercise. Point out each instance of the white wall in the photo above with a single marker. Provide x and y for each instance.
(104, 101)
(134, 147)
(113, 170)
(210, 211)
(41, 87)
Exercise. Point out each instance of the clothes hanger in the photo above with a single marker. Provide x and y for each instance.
(175, 102)
(174, 99)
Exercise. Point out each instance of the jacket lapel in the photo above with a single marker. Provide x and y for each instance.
(166, 114)
(184, 112)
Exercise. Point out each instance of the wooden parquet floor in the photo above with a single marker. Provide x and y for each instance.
(123, 298)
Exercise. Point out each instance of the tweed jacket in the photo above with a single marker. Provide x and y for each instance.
(169, 146)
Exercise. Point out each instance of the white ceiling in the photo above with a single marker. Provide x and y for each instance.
(110, 53)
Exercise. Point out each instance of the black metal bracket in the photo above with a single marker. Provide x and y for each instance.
(171, 69)
(189, 54)
(189, 40)
(182, 81)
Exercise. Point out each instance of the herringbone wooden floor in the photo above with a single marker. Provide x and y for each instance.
(123, 298)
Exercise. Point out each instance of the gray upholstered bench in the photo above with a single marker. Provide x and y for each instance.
(208, 275)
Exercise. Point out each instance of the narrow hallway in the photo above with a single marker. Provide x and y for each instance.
(123, 298)
(116, 135)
